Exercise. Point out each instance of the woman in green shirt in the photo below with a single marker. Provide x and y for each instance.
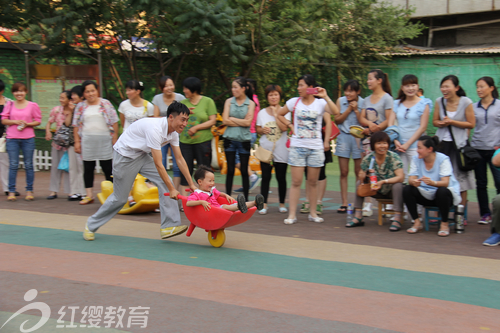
(238, 116)
(196, 139)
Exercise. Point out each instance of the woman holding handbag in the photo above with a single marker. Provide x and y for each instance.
(306, 146)
(21, 116)
(454, 117)
(387, 167)
(58, 115)
(273, 140)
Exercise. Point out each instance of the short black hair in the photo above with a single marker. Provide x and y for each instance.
(193, 84)
(379, 137)
(88, 83)
(2, 86)
(176, 109)
(68, 93)
(201, 172)
(77, 90)
(353, 85)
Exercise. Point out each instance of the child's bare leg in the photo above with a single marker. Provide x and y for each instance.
(232, 208)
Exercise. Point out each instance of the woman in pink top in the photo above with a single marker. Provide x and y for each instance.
(21, 116)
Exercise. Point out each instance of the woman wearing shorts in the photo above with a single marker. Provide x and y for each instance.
(306, 146)
(349, 106)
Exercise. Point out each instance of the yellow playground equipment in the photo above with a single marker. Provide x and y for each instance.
(146, 198)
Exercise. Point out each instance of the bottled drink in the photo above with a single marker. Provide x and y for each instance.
(350, 214)
(373, 176)
(21, 127)
(459, 219)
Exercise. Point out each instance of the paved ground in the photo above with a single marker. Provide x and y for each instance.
(268, 277)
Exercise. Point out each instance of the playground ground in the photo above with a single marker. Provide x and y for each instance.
(268, 277)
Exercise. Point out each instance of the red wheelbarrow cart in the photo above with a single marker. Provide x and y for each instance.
(215, 220)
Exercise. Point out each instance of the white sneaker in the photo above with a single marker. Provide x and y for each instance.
(367, 210)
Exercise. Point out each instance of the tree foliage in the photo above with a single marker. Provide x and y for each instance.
(259, 38)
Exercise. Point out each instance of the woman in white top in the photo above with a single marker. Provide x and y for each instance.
(412, 114)
(306, 146)
(458, 115)
(135, 107)
(273, 138)
(96, 131)
(486, 140)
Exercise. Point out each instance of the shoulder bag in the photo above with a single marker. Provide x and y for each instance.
(264, 155)
(467, 157)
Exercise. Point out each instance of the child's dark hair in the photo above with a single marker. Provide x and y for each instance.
(201, 172)
(429, 142)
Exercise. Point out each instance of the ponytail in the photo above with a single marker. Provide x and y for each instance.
(491, 83)
(386, 85)
(243, 82)
(429, 142)
(456, 83)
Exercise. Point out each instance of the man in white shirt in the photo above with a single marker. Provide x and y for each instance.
(138, 150)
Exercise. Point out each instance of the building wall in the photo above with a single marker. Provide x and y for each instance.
(430, 70)
(427, 8)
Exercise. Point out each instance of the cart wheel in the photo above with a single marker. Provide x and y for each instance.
(217, 237)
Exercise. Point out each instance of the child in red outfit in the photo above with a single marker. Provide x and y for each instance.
(207, 194)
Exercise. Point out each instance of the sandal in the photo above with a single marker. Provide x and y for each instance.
(394, 227)
(319, 209)
(29, 197)
(444, 233)
(11, 197)
(414, 230)
(86, 201)
(304, 209)
(342, 210)
(352, 224)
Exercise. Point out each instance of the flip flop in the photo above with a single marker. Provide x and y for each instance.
(342, 210)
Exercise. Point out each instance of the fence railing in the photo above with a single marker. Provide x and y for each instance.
(43, 161)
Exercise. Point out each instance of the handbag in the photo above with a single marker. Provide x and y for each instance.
(64, 136)
(64, 162)
(3, 143)
(365, 189)
(264, 155)
(467, 157)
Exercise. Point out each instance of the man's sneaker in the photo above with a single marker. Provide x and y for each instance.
(173, 231)
(242, 205)
(367, 210)
(87, 234)
(493, 240)
(239, 190)
(485, 219)
(254, 184)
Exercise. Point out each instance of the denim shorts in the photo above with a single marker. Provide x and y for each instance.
(254, 138)
(302, 157)
(236, 146)
(347, 146)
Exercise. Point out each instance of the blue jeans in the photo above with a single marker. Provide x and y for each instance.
(27, 146)
(481, 171)
(175, 168)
